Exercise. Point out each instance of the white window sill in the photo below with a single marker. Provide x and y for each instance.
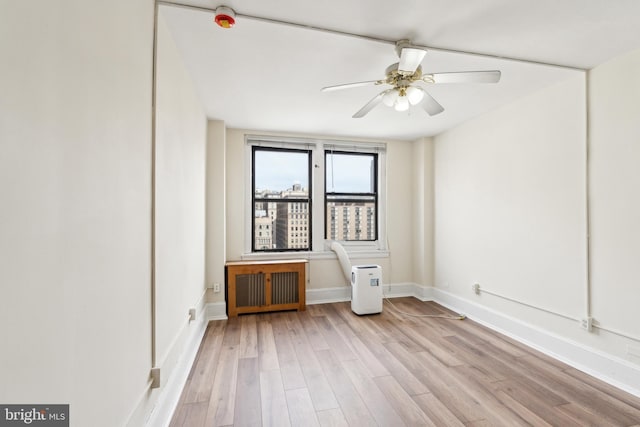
(353, 254)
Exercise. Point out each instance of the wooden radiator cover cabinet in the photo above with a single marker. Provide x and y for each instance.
(259, 286)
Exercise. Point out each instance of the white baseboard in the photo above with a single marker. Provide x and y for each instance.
(328, 295)
(610, 369)
(343, 293)
(216, 311)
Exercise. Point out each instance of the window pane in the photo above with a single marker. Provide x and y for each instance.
(282, 199)
(351, 220)
(350, 173)
(284, 226)
(281, 171)
(351, 196)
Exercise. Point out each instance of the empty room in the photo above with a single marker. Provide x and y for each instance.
(319, 213)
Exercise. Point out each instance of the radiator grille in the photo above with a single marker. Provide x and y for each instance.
(284, 288)
(250, 290)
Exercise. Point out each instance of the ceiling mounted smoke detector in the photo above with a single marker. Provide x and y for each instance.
(225, 17)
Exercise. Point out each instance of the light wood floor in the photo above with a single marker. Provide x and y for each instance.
(330, 367)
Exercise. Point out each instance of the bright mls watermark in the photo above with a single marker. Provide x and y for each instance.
(34, 415)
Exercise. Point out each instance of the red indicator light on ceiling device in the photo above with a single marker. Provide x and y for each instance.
(225, 17)
(225, 21)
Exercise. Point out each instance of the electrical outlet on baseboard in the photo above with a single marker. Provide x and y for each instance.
(587, 324)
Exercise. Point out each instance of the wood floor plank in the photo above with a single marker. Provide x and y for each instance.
(484, 393)
(488, 367)
(524, 412)
(232, 332)
(223, 392)
(248, 406)
(319, 389)
(204, 368)
(407, 379)
(581, 416)
(267, 352)
(336, 343)
(485, 335)
(248, 337)
(317, 384)
(433, 344)
(291, 372)
(301, 409)
(192, 415)
(310, 330)
(437, 412)
(328, 366)
(376, 402)
(275, 412)
(353, 407)
(409, 411)
(603, 387)
(332, 418)
(616, 411)
(445, 386)
(363, 352)
(530, 393)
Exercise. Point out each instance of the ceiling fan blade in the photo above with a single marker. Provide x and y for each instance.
(492, 76)
(371, 104)
(410, 59)
(429, 104)
(349, 85)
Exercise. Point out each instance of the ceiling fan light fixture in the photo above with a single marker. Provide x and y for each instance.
(401, 104)
(389, 98)
(414, 95)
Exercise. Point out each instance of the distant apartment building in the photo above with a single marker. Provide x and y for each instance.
(263, 231)
(292, 220)
(351, 221)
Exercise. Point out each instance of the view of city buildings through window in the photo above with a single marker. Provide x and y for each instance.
(281, 224)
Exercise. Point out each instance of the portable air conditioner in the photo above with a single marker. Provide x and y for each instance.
(366, 289)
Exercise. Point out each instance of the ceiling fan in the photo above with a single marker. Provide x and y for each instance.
(404, 76)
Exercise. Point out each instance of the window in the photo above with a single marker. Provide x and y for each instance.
(351, 183)
(303, 192)
(281, 191)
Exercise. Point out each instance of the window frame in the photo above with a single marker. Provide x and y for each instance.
(354, 195)
(308, 200)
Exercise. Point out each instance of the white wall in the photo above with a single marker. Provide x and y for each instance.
(423, 212)
(400, 205)
(510, 203)
(75, 180)
(181, 134)
(326, 273)
(216, 207)
(615, 196)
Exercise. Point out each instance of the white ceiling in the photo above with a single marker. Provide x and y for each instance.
(265, 76)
